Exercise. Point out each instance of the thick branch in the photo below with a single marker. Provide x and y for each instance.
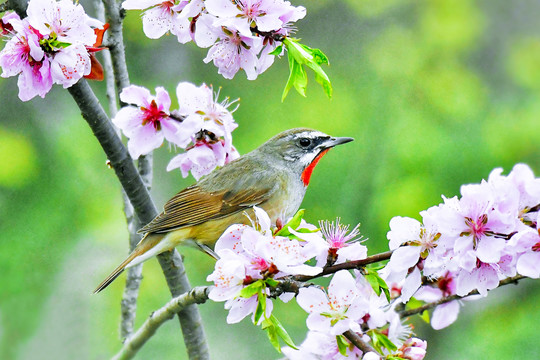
(197, 295)
(115, 150)
(358, 342)
(348, 265)
(170, 261)
(19, 6)
(444, 300)
(173, 268)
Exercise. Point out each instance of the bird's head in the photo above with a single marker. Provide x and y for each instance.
(300, 149)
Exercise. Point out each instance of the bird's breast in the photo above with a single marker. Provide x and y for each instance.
(286, 200)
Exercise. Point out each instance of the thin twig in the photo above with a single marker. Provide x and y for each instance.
(357, 264)
(115, 15)
(288, 285)
(444, 300)
(128, 304)
(197, 295)
(357, 341)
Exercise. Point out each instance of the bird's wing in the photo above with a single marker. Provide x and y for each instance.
(194, 205)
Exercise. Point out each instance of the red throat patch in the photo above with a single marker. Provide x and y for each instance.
(306, 174)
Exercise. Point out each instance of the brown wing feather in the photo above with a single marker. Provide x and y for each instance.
(194, 206)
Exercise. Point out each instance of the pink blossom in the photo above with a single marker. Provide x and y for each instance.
(203, 112)
(249, 254)
(526, 187)
(202, 158)
(412, 242)
(234, 51)
(482, 222)
(49, 46)
(70, 64)
(320, 345)
(266, 15)
(340, 244)
(228, 276)
(24, 57)
(482, 277)
(413, 349)
(264, 253)
(205, 34)
(147, 124)
(337, 311)
(187, 13)
(158, 19)
(444, 314)
(528, 244)
(240, 307)
(63, 21)
(375, 316)
(286, 255)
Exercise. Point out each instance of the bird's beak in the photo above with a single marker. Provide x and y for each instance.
(334, 141)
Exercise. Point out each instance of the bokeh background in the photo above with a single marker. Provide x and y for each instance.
(437, 93)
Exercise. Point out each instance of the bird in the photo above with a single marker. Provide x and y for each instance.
(273, 177)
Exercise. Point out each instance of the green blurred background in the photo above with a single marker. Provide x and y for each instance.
(436, 94)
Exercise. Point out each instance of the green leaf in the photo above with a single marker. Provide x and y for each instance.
(342, 344)
(381, 340)
(282, 333)
(294, 223)
(376, 282)
(271, 282)
(300, 55)
(277, 51)
(319, 57)
(297, 78)
(266, 323)
(386, 294)
(415, 303)
(424, 315)
(372, 279)
(273, 337)
(375, 267)
(251, 289)
(307, 231)
(261, 307)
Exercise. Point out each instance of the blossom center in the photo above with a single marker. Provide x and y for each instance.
(478, 227)
(153, 115)
(251, 11)
(166, 6)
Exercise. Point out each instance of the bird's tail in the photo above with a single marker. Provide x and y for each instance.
(142, 251)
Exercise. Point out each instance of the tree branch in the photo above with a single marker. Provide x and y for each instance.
(170, 261)
(19, 6)
(444, 300)
(197, 295)
(357, 341)
(347, 266)
(128, 304)
(115, 14)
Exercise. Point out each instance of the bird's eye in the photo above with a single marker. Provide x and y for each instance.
(304, 142)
